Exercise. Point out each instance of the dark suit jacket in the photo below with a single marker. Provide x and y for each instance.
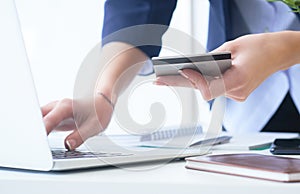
(127, 13)
(123, 14)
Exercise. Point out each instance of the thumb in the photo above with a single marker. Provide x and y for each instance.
(224, 47)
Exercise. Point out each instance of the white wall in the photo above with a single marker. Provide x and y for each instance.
(59, 33)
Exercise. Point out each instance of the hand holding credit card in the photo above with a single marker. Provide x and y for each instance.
(210, 64)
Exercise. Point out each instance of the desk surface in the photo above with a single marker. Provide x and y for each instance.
(169, 178)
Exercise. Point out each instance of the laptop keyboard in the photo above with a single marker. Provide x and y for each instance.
(63, 154)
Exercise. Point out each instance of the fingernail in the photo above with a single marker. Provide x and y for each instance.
(159, 83)
(183, 74)
(70, 144)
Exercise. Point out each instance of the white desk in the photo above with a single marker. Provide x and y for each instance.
(170, 178)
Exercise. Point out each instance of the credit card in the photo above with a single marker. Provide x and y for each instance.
(210, 64)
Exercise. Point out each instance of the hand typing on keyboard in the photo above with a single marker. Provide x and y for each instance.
(79, 116)
(88, 116)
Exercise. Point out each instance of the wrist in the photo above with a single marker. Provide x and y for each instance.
(107, 94)
(107, 99)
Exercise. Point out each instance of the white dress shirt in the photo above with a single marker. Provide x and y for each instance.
(253, 114)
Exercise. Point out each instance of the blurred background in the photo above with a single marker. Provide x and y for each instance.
(58, 35)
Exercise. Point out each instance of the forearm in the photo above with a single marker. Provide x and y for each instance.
(288, 44)
(122, 63)
(121, 15)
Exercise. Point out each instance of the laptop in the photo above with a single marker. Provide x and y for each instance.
(23, 139)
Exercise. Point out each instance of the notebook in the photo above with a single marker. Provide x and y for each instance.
(189, 137)
(259, 166)
(192, 137)
(23, 139)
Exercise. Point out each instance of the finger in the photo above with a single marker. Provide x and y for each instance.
(236, 87)
(235, 98)
(63, 110)
(73, 140)
(173, 80)
(229, 84)
(227, 46)
(66, 125)
(199, 81)
(233, 78)
(92, 125)
(48, 107)
(77, 137)
(217, 87)
(221, 48)
(239, 95)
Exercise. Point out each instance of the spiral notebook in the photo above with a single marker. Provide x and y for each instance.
(187, 137)
(171, 133)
